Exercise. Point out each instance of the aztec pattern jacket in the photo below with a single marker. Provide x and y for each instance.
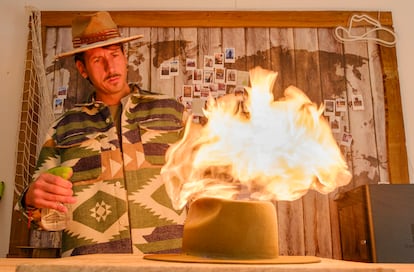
(122, 205)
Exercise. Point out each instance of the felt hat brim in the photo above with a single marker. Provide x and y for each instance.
(186, 258)
(108, 42)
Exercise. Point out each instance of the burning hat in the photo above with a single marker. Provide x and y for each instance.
(231, 231)
(95, 30)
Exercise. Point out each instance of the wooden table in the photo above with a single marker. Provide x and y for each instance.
(135, 263)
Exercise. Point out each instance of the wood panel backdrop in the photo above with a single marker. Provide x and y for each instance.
(302, 48)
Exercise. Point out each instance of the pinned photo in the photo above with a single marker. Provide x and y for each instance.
(208, 62)
(357, 102)
(190, 64)
(231, 76)
(197, 91)
(346, 139)
(198, 76)
(335, 124)
(205, 91)
(218, 60)
(340, 105)
(187, 92)
(219, 75)
(213, 90)
(174, 67)
(221, 89)
(243, 78)
(58, 105)
(230, 55)
(165, 71)
(329, 107)
(62, 92)
(208, 76)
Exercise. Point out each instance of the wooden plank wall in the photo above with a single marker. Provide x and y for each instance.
(301, 47)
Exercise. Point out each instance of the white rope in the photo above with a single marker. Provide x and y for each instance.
(46, 115)
(343, 34)
(36, 105)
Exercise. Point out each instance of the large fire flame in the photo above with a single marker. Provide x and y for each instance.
(254, 147)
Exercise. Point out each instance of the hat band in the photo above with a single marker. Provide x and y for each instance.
(96, 37)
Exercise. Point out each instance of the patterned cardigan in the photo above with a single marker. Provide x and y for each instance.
(122, 205)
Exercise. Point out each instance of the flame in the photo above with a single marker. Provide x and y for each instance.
(255, 147)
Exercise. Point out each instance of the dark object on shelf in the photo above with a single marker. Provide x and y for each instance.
(377, 223)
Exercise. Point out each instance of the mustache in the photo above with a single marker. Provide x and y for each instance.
(112, 75)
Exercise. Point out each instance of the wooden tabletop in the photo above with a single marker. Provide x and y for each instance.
(136, 263)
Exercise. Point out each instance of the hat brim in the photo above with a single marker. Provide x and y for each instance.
(98, 44)
(186, 258)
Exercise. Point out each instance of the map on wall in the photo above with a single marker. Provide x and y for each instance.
(193, 63)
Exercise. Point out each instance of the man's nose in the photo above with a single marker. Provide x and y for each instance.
(109, 64)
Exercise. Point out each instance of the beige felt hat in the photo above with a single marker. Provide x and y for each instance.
(231, 231)
(94, 30)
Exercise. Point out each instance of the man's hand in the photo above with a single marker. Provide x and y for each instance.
(51, 190)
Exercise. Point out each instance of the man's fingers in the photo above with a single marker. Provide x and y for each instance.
(56, 180)
(55, 205)
(48, 190)
(61, 207)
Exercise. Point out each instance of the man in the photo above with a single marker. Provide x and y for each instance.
(115, 144)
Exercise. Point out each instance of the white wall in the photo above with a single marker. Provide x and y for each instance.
(13, 21)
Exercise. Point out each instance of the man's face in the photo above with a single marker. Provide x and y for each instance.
(106, 67)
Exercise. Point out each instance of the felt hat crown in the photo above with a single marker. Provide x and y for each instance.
(231, 231)
(94, 30)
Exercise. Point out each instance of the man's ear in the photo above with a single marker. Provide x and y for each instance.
(81, 68)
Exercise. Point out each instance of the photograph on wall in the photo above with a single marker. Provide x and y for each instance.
(230, 56)
(329, 107)
(231, 76)
(340, 105)
(62, 92)
(219, 75)
(243, 78)
(357, 102)
(335, 123)
(58, 105)
(221, 89)
(165, 70)
(187, 92)
(208, 76)
(197, 76)
(197, 91)
(205, 91)
(190, 64)
(174, 67)
(218, 60)
(208, 62)
(346, 139)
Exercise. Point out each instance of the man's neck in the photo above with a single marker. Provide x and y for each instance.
(112, 99)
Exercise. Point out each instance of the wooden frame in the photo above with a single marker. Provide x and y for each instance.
(395, 136)
(220, 18)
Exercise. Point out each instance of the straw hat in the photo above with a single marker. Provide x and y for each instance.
(231, 231)
(94, 30)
